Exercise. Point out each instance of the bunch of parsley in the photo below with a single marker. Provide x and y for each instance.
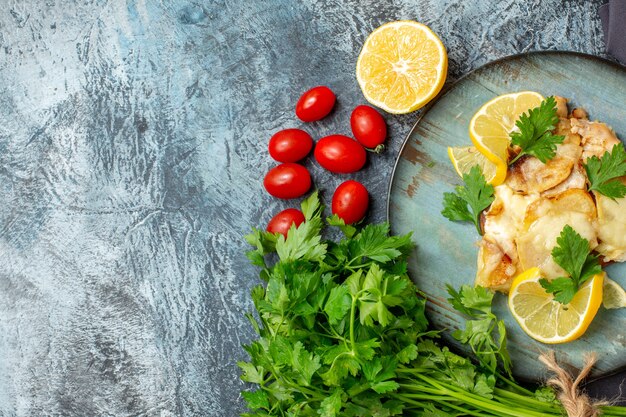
(342, 332)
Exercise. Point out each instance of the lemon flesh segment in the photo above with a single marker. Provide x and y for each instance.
(492, 124)
(466, 157)
(547, 320)
(402, 66)
(614, 295)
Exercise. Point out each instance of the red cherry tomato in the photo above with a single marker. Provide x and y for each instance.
(290, 145)
(339, 153)
(368, 127)
(315, 104)
(287, 180)
(281, 223)
(350, 201)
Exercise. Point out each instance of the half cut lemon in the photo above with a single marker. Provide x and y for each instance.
(402, 66)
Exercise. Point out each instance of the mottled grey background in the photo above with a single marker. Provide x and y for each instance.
(132, 145)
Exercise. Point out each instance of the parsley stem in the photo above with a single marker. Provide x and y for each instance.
(328, 335)
(473, 399)
(443, 400)
(519, 155)
(353, 267)
(332, 333)
(517, 399)
(513, 385)
(352, 317)
(613, 411)
(480, 232)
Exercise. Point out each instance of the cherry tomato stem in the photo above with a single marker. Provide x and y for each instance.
(379, 149)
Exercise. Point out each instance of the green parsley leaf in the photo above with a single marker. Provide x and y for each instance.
(471, 298)
(407, 354)
(311, 206)
(342, 362)
(338, 304)
(304, 241)
(256, 399)
(535, 132)
(469, 200)
(375, 244)
(335, 220)
(571, 251)
(264, 242)
(563, 288)
(484, 385)
(251, 373)
(573, 254)
(604, 173)
(304, 363)
(380, 292)
(484, 333)
(378, 373)
(331, 405)
(546, 394)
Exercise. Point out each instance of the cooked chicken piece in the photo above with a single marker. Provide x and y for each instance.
(561, 106)
(529, 175)
(611, 227)
(505, 217)
(564, 128)
(577, 179)
(597, 138)
(545, 219)
(579, 113)
(495, 269)
(498, 261)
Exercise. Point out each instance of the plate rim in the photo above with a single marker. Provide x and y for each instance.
(448, 87)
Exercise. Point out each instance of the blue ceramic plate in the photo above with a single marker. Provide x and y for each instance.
(445, 251)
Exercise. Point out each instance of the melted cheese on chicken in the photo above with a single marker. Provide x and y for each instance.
(535, 246)
(497, 259)
(612, 227)
(505, 217)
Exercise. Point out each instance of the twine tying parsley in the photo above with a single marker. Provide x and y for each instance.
(575, 402)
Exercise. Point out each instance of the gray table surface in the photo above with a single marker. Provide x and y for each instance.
(132, 146)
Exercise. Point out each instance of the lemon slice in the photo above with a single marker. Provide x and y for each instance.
(490, 127)
(464, 158)
(614, 294)
(402, 66)
(547, 320)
